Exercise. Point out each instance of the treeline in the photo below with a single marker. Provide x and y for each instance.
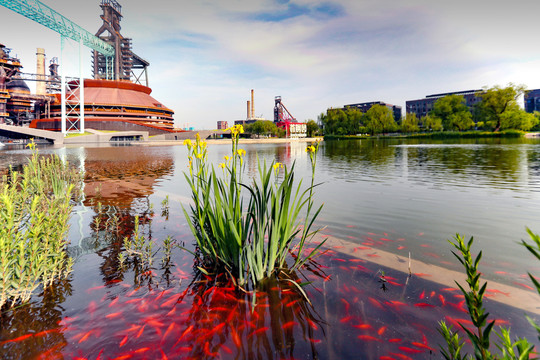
(497, 110)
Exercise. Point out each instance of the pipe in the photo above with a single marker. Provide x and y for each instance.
(248, 116)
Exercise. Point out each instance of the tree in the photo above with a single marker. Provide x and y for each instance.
(453, 112)
(431, 123)
(496, 101)
(265, 127)
(311, 127)
(518, 119)
(379, 119)
(410, 123)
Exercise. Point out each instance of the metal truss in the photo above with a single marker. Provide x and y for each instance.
(46, 16)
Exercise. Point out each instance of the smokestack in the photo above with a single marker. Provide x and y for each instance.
(248, 111)
(40, 71)
(252, 105)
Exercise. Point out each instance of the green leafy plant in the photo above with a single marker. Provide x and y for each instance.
(480, 335)
(251, 243)
(35, 208)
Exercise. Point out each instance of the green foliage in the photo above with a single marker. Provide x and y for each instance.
(379, 119)
(35, 207)
(517, 119)
(263, 127)
(138, 248)
(341, 122)
(312, 128)
(479, 336)
(410, 123)
(453, 112)
(252, 243)
(431, 123)
(497, 101)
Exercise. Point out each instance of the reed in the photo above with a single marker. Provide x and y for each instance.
(35, 208)
(250, 243)
(480, 334)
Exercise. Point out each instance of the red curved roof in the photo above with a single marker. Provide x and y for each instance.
(112, 92)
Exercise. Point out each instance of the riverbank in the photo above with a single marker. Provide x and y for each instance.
(440, 135)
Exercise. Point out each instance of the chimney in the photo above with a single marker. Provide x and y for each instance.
(248, 111)
(40, 71)
(252, 106)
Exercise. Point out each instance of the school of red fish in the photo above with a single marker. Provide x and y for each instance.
(211, 319)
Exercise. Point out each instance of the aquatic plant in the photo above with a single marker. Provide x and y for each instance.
(251, 243)
(481, 334)
(138, 247)
(35, 207)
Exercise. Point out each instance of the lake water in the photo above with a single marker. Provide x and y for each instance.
(397, 196)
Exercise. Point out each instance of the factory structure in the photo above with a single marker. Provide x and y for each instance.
(121, 104)
(282, 118)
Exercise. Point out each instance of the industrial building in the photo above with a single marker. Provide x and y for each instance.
(396, 110)
(422, 107)
(122, 104)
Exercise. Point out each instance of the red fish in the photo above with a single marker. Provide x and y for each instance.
(258, 331)
(373, 255)
(394, 340)
(381, 330)
(289, 325)
(423, 305)
(113, 315)
(443, 300)
(85, 336)
(423, 346)
(422, 295)
(236, 338)
(312, 324)
(124, 341)
(17, 339)
(422, 274)
(410, 350)
(345, 319)
(386, 358)
(401, 247)
(363, 326)
(347, 305)
(368, 338)
(314, 341)
(375, 303)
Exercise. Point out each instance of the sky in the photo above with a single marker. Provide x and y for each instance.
(206, 55)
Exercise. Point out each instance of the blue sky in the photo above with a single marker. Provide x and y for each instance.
(206, 55)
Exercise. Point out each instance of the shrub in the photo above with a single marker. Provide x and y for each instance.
(35, 207)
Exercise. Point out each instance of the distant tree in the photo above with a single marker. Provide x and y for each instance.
(495, 102)
(518, 119)
(379, 119)
(263, 127)
(354, 120)
(409, 124)
(431, 123)
(311, 128)
(453, 112)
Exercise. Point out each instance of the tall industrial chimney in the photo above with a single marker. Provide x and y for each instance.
(248, 116)
(40, 71)
(252, 106)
